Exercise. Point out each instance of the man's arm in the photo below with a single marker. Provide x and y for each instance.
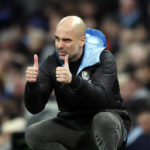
(38, 88)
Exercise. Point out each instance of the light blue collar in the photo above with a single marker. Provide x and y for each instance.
(95, 43)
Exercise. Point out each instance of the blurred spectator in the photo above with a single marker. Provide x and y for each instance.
(140, 33)
(131, 56)
(35, 40)
(90, 22)
(111, 28)
(129, 12)
(139, 137)
(88, 9)
(69, 7)
(126, 37)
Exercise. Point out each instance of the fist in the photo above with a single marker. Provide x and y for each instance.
(63, 74)
(32, 72)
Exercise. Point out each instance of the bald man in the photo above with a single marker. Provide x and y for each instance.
(84, 77)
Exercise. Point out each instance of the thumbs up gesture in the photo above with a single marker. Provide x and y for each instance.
(32, 72)
(63, 74)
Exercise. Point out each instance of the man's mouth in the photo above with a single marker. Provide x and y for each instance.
(61, 53)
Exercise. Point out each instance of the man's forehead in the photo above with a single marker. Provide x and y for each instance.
(72, 25)
(65, 31)
(65, 28)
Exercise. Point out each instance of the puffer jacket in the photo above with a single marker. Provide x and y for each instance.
(94, 87)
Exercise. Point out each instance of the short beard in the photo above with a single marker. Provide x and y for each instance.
(72, 58)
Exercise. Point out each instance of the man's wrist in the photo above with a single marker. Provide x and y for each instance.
(75, 82)
(31, 85)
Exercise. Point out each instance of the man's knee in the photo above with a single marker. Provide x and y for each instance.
(108, 130)
(32, 136)
(106, 120)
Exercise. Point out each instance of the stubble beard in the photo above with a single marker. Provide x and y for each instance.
(71, 58)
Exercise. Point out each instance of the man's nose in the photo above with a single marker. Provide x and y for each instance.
(60, 44)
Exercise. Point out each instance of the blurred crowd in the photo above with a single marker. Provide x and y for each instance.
(27, 27)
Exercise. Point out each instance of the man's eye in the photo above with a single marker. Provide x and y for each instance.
(56, 39)
(67, 40)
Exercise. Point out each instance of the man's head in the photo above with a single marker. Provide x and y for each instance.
(70, 37)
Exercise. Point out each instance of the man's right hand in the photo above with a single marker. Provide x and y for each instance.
(32, 72)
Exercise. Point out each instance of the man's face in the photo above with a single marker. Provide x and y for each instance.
(68, 42)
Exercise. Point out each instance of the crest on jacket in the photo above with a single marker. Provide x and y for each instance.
(85, 75)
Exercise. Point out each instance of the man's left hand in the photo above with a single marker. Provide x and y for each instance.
(63, 74)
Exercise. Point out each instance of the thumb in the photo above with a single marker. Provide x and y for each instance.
(66, 62)
(36, 64)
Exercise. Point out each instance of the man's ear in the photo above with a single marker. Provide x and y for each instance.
(82, 41)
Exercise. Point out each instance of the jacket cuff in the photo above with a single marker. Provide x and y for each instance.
(31, 86)
(75, 83)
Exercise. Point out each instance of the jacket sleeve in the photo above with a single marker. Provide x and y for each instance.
(100, 89)
(36, 94)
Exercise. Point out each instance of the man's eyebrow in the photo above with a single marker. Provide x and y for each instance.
(67, 39)
(56, 37)
(64, 39)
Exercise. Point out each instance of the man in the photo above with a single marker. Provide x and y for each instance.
(84, 77)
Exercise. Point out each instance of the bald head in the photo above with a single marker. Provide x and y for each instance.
(70, 37)
(74, 23)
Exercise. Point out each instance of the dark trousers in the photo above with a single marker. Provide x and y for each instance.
(106, 132)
